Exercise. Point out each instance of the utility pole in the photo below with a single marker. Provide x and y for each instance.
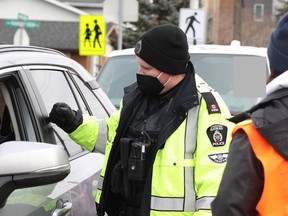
(115, 13)
(21, 37)
(194, 4)
(238, 7)
(120, 22)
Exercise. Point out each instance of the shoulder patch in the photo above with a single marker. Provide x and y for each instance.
(217, 134)
(219, 157)
(211, 102)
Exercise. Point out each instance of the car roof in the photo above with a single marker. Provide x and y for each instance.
(14, 55)
(234, 48)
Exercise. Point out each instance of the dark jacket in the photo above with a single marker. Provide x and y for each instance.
(242, 183)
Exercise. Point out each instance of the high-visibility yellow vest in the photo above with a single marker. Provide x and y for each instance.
(187, 171)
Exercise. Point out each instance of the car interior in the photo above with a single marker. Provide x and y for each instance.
(6, 127)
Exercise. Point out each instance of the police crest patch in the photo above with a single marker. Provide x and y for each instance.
(217, 134)
(138, 47)
(219, 157)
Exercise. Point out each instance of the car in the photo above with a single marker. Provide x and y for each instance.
(238, 73)
(42, 171)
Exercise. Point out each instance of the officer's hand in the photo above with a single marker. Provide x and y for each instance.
(65, 118)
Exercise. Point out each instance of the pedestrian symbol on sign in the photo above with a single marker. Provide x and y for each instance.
(87, 35)
(191, 19)
(92, 35)
(194, 25)
(98, 32)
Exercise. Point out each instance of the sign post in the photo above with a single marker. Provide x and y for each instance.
(115, 13)
(19, 24)
(22, 17)
(21, 37)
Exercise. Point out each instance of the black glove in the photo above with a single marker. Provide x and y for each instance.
(65, 118)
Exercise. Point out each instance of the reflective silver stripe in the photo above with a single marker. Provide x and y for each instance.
(186, 204)
(167, 204)
(100, 183)
(190, 145)
(191, 132)
(204, 203)
(189, 202)
(176, 204)
(102, 136)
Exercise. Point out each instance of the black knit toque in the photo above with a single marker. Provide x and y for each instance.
(164, 47)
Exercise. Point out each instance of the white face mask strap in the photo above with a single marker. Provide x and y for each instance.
(159, 75)
(167, 81)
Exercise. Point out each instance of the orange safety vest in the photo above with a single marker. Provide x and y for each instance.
(274, 199)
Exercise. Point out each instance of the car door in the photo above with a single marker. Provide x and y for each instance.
(56, 84)
(29, 94)
(18, 122)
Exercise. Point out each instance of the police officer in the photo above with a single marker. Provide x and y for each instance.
(167, 145)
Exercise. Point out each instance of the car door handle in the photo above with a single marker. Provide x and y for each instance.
(66, 208)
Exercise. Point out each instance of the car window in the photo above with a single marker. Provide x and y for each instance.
(58, 86)
(96, 108)
(16, 118)
(55, 86)
(6, 127)
(219, 71)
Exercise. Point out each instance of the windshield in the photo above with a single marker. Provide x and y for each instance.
(117, 73)
(239, 79)
(217, 70)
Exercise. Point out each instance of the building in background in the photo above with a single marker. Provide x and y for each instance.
(57, 25)
(249, 21)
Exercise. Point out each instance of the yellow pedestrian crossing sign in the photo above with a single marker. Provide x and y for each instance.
(92, 35)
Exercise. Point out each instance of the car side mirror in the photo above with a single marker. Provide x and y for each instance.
(30, 164)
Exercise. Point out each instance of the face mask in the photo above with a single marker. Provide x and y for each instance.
(150, 85)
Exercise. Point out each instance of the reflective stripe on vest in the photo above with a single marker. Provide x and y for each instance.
(186, 203)
(176, 204)
(204, 203)
(100, 183)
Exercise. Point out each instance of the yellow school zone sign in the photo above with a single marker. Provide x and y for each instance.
(92, 35)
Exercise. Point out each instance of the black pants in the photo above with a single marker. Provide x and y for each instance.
(130, 211)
